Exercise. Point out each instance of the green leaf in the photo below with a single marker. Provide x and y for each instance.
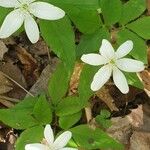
(65, 122)
(3, 12)
(69, 106)
(91, 42)
(58, 84)
(133, 80)
(31, 135)
(22, 115)
(86, 78)
(128, 14)
(83, 13)
(139, 48)
(60, 37)
(103, 119)
(42, 111)
(111, 10)
(88, 138)
(141, 27)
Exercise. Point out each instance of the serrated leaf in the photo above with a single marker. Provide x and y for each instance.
(88, 138)
(82, 13)
(60, 37)
(111, 10)
(141, 27)
(128, 14)
(69, 106)
(31, 135)
(42, 111)
(91, 42)
(139, 51)
(65, 122)
(58, 84)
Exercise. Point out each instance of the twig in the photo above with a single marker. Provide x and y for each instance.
(17, 84)
(88, 113)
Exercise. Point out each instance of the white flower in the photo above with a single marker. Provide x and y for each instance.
(113, 62)
(50, 144)
(24, 11)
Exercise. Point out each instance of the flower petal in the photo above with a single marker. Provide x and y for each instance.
(31, 29)
(9, 3)
(48, 134)
(35, 146)
(62, 140)
(101, 77)
(11, 24)
(130, 65)
(124, 49)
(120, 80)
(106, 49)
(94, 59)
(68, 148)
(46, 11)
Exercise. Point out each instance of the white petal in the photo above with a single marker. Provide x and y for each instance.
(130, 65)
(107, 50)
(9, 3)
(46, 11)
(124, 49)
(120, 80)
(11, 24)
(31, 29)
(35, 146)
(62, 140)
(68, 148)
(48, 134)
(94, 59)
(101, 77)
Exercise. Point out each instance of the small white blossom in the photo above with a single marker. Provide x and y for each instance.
(51, 144)
(113, 64)
(24, 12)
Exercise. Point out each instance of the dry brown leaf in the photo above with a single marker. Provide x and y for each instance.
(3, 49)
(105, 96)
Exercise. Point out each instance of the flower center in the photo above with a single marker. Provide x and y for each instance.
(112, 62)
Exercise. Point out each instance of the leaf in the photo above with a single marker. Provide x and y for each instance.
(111, 10)
(133, 80)
(58, 84)
(65, 122)
(103, 119)
(85, 81)
(3, 12)
(78, 10)
(60, 37)
(20, 116)
(128, 14)
(139, 48)
(42, 111)
(31, 135)
(141, 27)
(69, 106)
(88, 138)
(91, 42)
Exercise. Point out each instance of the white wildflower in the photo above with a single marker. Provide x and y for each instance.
(113, 64)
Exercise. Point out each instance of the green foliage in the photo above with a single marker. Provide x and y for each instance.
(42, 111)
(132, 10)
(88, 138)
(141, 27)
(3, 12)
(111, 10)
(59, 36)
(31, 135)
(103, 119)
(58, 84)
(65, 122)
(91, 42)
(69, 106)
